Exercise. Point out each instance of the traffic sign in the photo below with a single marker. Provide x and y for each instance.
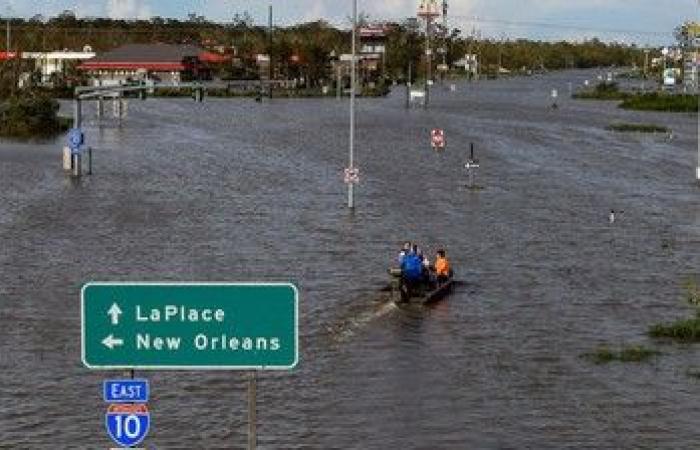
(352, 175)
(125, 391)
(76, 138)
(189, 326)
(127, 425)
(437, 138)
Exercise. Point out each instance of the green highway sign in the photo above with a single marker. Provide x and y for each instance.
(190, 326)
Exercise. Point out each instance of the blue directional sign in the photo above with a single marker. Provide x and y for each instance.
(125, 391)
(127, 425)
(76, 138)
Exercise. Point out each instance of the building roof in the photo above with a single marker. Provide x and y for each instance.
(214, 58)
(6, 56)
(147, 56)
(65, 55)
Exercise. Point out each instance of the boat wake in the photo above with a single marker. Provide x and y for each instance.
(350, 326)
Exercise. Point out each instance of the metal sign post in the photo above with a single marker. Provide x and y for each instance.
(471, 166)
(252, 410)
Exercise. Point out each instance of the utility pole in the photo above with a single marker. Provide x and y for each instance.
(428, 10)
(269, 40)
(444, 30)
(697, 92)
(351, 193)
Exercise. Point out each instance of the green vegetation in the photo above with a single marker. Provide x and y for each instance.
(602, 91)
(685, 330)
(661, 102)
(639, 128)
(656, 101)
(31, 115)
(635, 353)
(304, 51)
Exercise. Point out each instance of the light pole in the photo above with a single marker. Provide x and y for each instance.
(351, 193)
(7, 31)
(697, 92)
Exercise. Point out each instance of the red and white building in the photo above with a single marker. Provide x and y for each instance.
(165, 63)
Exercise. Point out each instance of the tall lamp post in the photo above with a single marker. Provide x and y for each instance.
(351, 165)
(697, 92)
(428, 10)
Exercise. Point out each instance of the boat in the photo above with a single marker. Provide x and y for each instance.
(422, 293)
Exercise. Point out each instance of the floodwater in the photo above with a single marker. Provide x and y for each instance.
(233, 190)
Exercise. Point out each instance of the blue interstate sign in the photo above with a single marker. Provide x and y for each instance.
(125, 391)
(127, 425)
(75, 139)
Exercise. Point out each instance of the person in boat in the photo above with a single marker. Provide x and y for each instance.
(442, 267)
(404, 251)
(412, 269)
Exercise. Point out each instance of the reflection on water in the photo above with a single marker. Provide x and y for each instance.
(233, 190)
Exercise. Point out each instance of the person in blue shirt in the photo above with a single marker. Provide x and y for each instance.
(412, 268)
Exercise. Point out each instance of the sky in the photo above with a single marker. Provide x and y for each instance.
(630, 21)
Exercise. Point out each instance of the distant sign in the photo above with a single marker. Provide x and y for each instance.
(76, 138)
(125, 391)
(437, 138)
(127, 425)
(189, 326)
(352, 175)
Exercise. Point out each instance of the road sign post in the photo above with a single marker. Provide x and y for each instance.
(437, 139)
(189, 326)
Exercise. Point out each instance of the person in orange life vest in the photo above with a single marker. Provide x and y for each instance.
(442, 266)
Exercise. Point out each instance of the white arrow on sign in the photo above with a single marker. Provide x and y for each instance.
(110, 342)
(114, 311)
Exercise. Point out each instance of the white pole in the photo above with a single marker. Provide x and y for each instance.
(697, 91)
(351, 198)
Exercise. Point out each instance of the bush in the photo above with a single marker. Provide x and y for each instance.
(635, 353)
(602, 91)
(640, 128)
(30, 115)
(661, 102)
(687, 330)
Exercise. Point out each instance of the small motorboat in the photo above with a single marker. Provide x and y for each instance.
(424, 293)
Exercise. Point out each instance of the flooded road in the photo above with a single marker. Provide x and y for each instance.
(233, 190)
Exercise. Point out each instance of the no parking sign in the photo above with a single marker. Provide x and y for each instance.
(127, 425)
(437, 138)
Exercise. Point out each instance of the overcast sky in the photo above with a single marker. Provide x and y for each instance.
(622, 20)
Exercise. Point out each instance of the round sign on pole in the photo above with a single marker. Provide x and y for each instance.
(127, 424)
(437, 138)
(76, 138)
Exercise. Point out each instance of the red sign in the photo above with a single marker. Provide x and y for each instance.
(437, 138)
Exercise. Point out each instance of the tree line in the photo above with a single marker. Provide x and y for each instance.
(307, 48)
